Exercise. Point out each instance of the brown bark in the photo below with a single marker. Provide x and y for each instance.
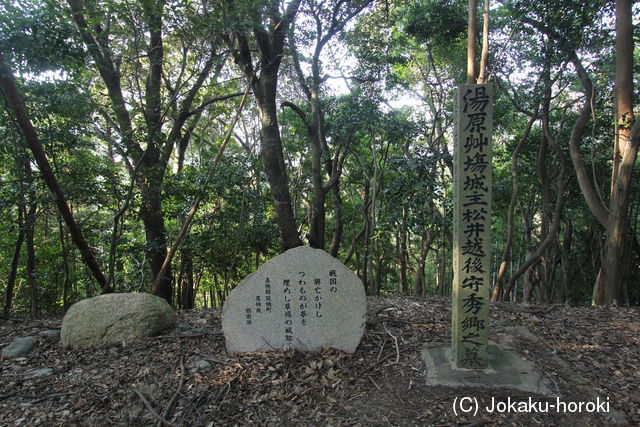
(29, 225)
(577, 132)
(403, 253)
(484, 55)
(264, 82)
(66, 286)
(337, 221)
(7, 83)
(546, 260)
(187, 283)
(567, 268)
(168, 257)
(608, 287)
(561, 183)
(13, 272)
(471, 42)
(316, 127)
(152, 161)
(506, 254)
(419, 284)
(367, 204)
(579, 128)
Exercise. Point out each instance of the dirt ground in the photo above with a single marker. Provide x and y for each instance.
(164, 380)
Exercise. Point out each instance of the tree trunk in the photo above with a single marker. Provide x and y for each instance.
(561, 183)
(153, 220)
(270, 45)
(65, 265)
(30, 224)
(567, 268)
(471, 42)
(546, 261)
(7, 84)
(272, 158)
(367, 236)
(419, 284)
(484, 55)
(13, 272)
(506, 254)
(608, 287)
(187, 285)
(403, 253)
(337, 221)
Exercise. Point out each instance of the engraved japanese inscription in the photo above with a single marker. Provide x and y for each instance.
(472, 226)
(303, 299)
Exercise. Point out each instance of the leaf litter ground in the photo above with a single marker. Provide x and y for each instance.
(185, 377)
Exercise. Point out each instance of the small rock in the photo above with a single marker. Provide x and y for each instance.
(54, 333)
(42, 372)
(200, 365)
(18, 347)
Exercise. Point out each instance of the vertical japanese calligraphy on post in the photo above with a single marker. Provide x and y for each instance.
(303, 299)
(472, 226)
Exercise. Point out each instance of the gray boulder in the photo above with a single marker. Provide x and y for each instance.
(115, 318)
(18, 347)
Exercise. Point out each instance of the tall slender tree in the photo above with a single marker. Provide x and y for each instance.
(263, 77)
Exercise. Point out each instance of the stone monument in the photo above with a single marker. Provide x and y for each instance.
(471, 226)
(303, 299)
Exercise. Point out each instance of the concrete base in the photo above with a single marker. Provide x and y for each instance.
(506, 369)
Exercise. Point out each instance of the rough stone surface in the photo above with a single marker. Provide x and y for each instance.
(18, 347)
(115, 318)
(199, 365)
(53, 333)
(302, 299)
(42, 372)
(506, 369)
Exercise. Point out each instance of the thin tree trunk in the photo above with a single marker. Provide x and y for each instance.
(367, 236)
(471, 42)
(484, 55)
(567, 269)
(187, 285)
(179, 291)
(506, 254)
(15, 260)
(160, 287)
(546, 261)
(65, 265)
(7, 84)
(555, 225)
(379, 270)
(270, 44)
(403, 253)
(419, 284)
(337, 221)
(30, 224)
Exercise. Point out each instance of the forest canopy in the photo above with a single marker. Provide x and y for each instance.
(174, 146)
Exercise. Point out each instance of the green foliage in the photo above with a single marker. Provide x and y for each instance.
(440, 22)
(396, 177)
(38, 36)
